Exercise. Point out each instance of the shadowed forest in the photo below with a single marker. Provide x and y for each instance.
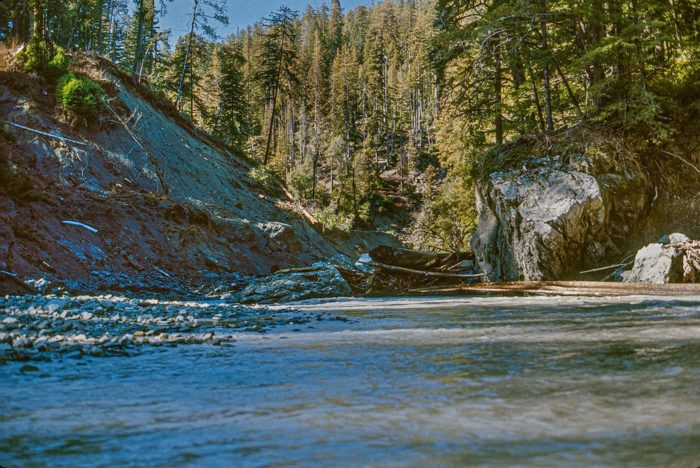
(383, 117)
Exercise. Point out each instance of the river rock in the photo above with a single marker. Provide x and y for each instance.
(296, 285)
(551, 221)
(676, 261)
(281, 237)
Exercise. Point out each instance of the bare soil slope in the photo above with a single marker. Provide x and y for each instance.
(172, 210)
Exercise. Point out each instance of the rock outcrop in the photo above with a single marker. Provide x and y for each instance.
(673, 260)
(296, 285)
(552, 219)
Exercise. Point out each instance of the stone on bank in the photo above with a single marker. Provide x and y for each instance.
(676, 259)
(552, 219)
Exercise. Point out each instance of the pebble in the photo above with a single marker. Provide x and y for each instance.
(55, 305)
(45, 327)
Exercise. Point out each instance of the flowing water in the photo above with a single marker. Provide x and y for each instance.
(527, 381)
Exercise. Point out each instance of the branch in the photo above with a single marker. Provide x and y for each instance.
(50, 135)
(84, 226)
(678, 157)
(423, 273)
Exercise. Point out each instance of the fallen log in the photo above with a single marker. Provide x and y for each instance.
(417, 260)
(303, 211)
(434, 274)
(564, 288)
(288, 271)
(606, 268)
(50, 135)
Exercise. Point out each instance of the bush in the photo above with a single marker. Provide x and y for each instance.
(265, 178)
(58, 65)
(36, 58)
(80, 95)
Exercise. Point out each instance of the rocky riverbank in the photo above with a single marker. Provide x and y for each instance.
(38, 328)
(554, 216)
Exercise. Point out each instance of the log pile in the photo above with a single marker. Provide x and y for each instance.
(397, 271)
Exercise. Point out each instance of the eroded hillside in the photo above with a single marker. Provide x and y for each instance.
(172, 211)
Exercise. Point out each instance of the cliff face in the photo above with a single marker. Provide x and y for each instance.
(555, 216)
(171, 210)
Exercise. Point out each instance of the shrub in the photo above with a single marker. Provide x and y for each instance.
(58, 65)
(44, 58)
(80, 95)
(264, 177)
(34, 56)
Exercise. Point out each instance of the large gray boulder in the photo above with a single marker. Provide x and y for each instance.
(552, 219)
(675, 261)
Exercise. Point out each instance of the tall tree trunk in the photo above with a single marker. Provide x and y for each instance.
(192, 92)
(385, 80)
(141, 15)
(545, 68)
(274, 109)
(187, 52)
(536, 97)
(498, 92)
(38, 29)
(99, 10)
(110, 31)
(570, 91)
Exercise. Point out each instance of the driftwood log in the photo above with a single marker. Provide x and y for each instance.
(398, 271)
(427, 274)
(563, 288)
(414, 260)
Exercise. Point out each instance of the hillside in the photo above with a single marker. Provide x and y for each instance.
(171, 210)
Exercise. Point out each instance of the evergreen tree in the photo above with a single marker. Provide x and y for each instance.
(230, 116)
(277, 59)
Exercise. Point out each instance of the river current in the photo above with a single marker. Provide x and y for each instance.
(400, 382)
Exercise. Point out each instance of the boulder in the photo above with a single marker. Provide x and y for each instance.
(296, 285)
(549, 222)
(676, 261)
(656, 263)
(281, 237)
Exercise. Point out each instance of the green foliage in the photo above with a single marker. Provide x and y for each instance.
(447, 218)
(58, 65)
(344, 106)
(44, 58)
(228, 121)
(333, 219)
(35, 56)
(265, 178)
(80, 95)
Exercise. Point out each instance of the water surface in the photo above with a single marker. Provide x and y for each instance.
(529, 381)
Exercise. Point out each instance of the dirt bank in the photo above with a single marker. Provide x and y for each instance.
(172, 211)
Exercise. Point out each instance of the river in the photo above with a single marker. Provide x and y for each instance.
(401, 382)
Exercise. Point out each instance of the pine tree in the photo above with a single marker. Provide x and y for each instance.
(277, 73)
(202, 12)
(229, 119)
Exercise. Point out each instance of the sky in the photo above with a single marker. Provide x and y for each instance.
(240, 12)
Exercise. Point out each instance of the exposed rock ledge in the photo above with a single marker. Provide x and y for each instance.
(553, 219)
